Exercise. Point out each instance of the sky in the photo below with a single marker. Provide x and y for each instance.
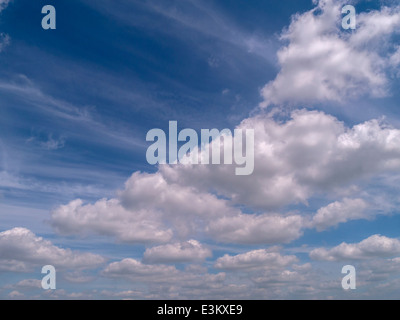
(77, 192)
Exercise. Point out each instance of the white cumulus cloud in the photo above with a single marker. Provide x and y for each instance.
(4, 4)
(164, 275)
(108, 217)
(294, 159)
(188, 251)
(257, 229)
(21, 250)
(143, 211)
(372, 247)
(310, 153)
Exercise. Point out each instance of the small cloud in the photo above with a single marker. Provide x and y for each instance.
(340, 212)
(376, 246)
(16, 295)
(29, 284)
(53, 144)
(22, 250)
(48, 143)
(213, 62)
(4, 40)
(395, 58)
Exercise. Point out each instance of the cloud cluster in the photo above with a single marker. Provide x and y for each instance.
(179, 210)
(164, 276)
(322, 62)
(308, 154)
(339, 212)
(144, 212)
(188, 251)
